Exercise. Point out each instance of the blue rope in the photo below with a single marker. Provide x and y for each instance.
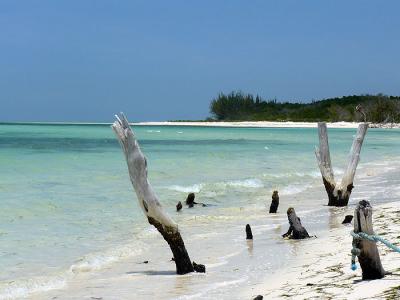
(369, 237)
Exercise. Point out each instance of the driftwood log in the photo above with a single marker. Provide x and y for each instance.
(148, 200)
(338, 193)
(368, 256)
(274, 203)
(296, 230)
(249, 234)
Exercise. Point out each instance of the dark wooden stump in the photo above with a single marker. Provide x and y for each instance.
(296, 230)
(368, 257)
(274, 203)
(347, 219)
(342, 197)
(179, 206)
(259, 297)
(190, 200)
(175, 242)
(249, 234)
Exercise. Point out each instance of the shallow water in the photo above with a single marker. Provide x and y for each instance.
(68, 208)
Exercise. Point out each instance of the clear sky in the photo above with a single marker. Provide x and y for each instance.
(161, 60)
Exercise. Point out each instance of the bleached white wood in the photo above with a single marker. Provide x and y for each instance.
(354, 156)
(148, 200)
(137, 167)
(338, 193)
(323, 155)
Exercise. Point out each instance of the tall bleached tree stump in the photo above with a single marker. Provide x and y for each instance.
(338, 193)
(296, 230)
(368, 256)
(148, 200)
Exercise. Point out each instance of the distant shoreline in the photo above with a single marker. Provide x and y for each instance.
(241, 124)
(266, 124)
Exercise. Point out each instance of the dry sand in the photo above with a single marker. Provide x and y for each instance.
(323, 267)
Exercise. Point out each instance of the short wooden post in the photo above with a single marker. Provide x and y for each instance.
(274, 203)
(249, 234)
(190, 200)
(368, 256)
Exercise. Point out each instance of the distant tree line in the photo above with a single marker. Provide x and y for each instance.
(238, 106)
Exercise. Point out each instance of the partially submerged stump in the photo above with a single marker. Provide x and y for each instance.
(296, 230)
(347, 219)
(148, 200)
(249, 234)
(179, 206)
(190, 200)
(274, 203)
(368, 256)
(338, 193)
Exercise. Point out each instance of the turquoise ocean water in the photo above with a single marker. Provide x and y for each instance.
(67, 203)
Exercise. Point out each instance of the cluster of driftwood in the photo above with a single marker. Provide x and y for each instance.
(338, 195)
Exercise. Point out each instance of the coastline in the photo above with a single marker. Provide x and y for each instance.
(114, 268)
(266, 124)
(244, 124)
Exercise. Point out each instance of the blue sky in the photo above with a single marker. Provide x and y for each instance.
(162, 60)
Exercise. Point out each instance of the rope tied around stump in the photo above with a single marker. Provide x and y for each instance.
(369, 237)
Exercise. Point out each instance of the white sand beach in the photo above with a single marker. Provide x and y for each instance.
(267, 124)
(322, 270)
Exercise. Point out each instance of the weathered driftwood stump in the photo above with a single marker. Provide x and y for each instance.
(338, 193)
(148, 200)
(249, 234)
(274, 203)
(296, 230)
(190, 200)
(347, 219)
(368, 256)
(179, 206)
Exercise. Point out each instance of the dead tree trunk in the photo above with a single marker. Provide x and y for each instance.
(274, 203)
(296, 230)
(368, 256)
(148, 201)
(338, 193)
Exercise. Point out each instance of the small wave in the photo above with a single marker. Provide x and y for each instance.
(293, 189)
(215, 286)
(196, 188)
(22, 288)
(248, 183)
(96, 261)
(150, 131)
(313, 174)
(219, 186)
